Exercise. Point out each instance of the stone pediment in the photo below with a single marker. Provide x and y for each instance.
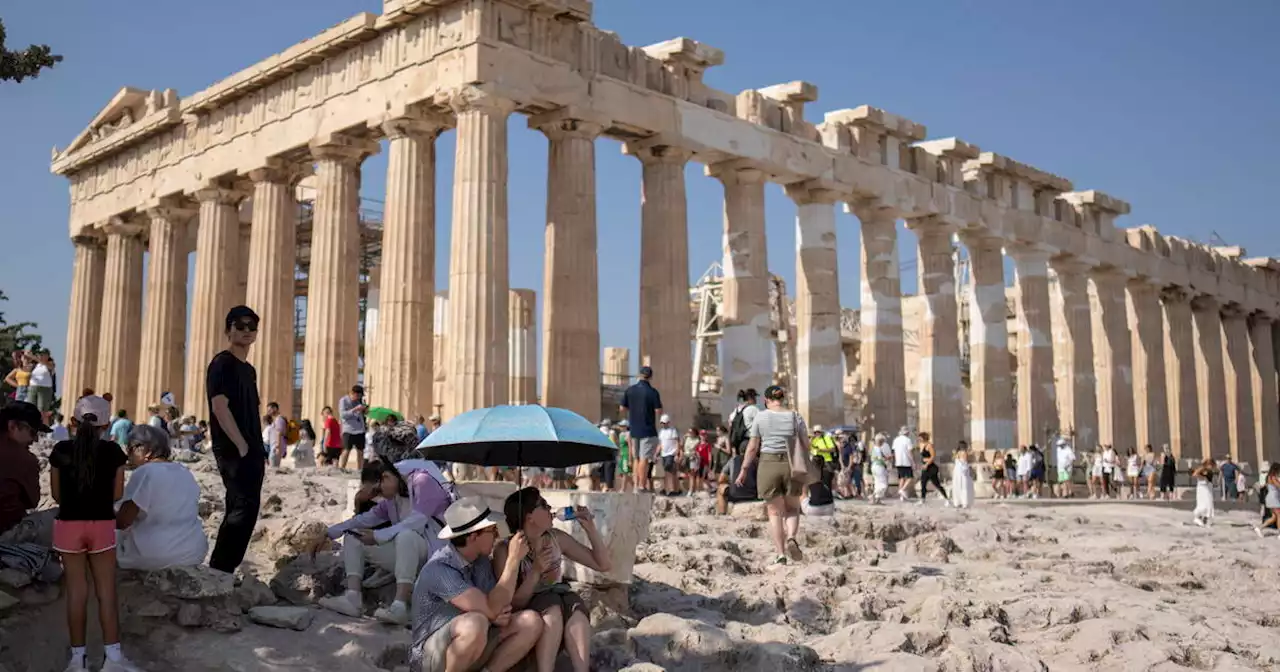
(126, 108)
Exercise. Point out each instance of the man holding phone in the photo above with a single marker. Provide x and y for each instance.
(351, 410)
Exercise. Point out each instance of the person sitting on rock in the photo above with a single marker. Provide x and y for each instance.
(819, 501)
(464, 619)
(20, 425)
(401, 547)
(565, 618)
(158, 520)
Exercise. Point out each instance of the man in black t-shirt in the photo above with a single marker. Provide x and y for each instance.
(234, 409)
(643, 406)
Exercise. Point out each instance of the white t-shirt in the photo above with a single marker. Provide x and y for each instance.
(41, 376)
(1024, 464)
(1108, 460)
(902, 451)
(670, 439)
(1066, 456)
(167, 531)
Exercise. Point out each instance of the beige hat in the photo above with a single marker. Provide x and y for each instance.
(665, 419)
(96, 406)
(467, 515)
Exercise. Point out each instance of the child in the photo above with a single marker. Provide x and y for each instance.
(304, 451)
(703, 450)
(87, 476)
(961, 481)
(1203, 476)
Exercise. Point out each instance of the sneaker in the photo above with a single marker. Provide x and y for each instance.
(396, 614)
(780, 560)
(793, 550)
(1200, 522)
(1258, 531)
(341, 604)
(122, 665)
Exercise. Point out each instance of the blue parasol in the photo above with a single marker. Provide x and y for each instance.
(519, 436)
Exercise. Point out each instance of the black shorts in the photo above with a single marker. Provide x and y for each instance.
(332, 455)
(905, 473)
(669, 463)
(353, 441)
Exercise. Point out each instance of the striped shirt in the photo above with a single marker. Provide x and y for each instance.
(445, 576)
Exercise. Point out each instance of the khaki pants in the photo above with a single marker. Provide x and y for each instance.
(403, 556)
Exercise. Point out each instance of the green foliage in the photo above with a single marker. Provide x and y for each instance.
(17, 336)
(18, 65)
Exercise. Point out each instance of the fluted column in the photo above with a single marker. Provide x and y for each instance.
(330, 363)
(1151, 400)
(664, 277)
(992, 423)
(1266, 405)
(881, 355)
(570, 287)
(164, 318)
(1238, 370)
(217, 240)
(941, 393)
(523, 351)
(1181, 372)
(1210, 377)
(243, 258)
(1113, 346)
(478, 273)
(617, 366)
(819, 372)
(1074, 376)
(440, 351)
(121, 313)
(273, 259)
(1037, 394)
(746, 343)
(84, 316)
(403, 362)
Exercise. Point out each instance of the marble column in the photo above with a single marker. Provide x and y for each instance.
(217, 240)
(881, 354)
(1266, 405)
(664, 277)
(819, 390)
(1113, 345)
(121, 314)
(330, 363)
(403, 360)
(79, 369)
(1151, 401)
(1074, 376)
(478, 273)
(570, 287)
(243, 258)
(1238, 378)
(440, 351)
(992, 425)
(617, 366)
(1037, 394)
(523, 351)
(1181, 372)
(746, 343)
(164, 318)
(1210, 377)
(941, 389)
(273, 260)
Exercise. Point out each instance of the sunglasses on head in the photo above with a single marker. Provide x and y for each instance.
(245, 326)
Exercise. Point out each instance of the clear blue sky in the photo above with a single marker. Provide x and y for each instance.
(1172, 105)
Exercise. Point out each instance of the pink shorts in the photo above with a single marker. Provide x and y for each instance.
(84, 536)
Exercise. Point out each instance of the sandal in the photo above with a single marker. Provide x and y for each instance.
(780, 560)
(793, 550)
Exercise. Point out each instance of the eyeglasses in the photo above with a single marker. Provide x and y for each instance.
(245, 326)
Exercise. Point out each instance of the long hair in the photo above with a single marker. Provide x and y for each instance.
(83, 449)
(372, 473)
(307, 430)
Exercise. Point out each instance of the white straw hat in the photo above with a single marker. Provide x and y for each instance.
(467, 515)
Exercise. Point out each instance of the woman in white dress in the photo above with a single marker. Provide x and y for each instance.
(1203, 476)
(1133, 470)
(961, 481)
(1094, 460)
(304, 451)
(881, 454)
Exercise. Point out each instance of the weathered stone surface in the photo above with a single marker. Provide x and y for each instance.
(189, 615)
(306, 579)
(188, 583)
(292, 618)
(254, 593)
(622, 520)
(8, 601)
(14, 578)
(300, 535)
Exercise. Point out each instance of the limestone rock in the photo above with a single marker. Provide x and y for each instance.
(643, 667)
(681, 643)
(14, 578)
(8, 601)
(293, 618)
(252, 592)
(189, 615)
(300, 536)
(189, 582)
(306, 579)
(154, 609)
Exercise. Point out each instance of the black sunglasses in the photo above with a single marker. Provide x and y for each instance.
(245, 326)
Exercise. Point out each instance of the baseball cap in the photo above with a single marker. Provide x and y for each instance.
(665, 418)
(240, 313)
(96, 406)
(646, 372)
(24, 412)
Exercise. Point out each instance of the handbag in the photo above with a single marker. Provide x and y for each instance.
(802, 468)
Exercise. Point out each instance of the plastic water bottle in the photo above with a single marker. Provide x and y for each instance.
(566, 513)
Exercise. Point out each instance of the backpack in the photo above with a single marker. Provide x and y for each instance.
(738, 430)
(1037, 460)
(292, 432)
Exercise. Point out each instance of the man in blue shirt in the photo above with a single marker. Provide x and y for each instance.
(121, 427)
(642, 404)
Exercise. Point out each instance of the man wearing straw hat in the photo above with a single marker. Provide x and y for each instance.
(462, 609)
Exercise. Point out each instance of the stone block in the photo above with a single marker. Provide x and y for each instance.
(623, 521)
(189, 583)
(753, 511)
(189, 615)
(292, 618)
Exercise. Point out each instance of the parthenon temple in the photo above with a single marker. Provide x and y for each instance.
(1126, 336)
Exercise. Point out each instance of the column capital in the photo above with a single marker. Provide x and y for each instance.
(1110, 274)
(1071, 266)
(1023, 252)
(176, 213)
(934, 225)
(569, 122)
(980, 238)
(122, 226)
(657, 150)
(1174, 294)
(279, 171)
(476, 99)
(342, 148)
(869, 210)
(814, 192)
(88, 238)
(1234, 311)
(737, 171)
(219, 193)
(1261, 319)
(1205, 302)
(422, 125)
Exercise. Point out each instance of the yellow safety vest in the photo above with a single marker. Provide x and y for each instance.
(824, 446)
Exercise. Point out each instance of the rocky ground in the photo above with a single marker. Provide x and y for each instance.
(1004, 587)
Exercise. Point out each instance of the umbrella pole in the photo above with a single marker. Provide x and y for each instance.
(520, 467)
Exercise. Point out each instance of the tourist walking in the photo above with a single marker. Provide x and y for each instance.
(1270, 500)
(1168, 473)
(669, 437)
(1010, 473)
(351, 409)
(330, 436)
(1133, 471)
(86, 475)
(961, 481)
(1150, 471)
(1229, 469)
(231, 384)
(1066, 459)
(1110, 469)
(997, 475)
(1203, 477)
(159, 520)
(642, 405)
(930, 474)
(276, 434)
(881, 458)
(904, 462)
(40, 384)
(772, 434)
